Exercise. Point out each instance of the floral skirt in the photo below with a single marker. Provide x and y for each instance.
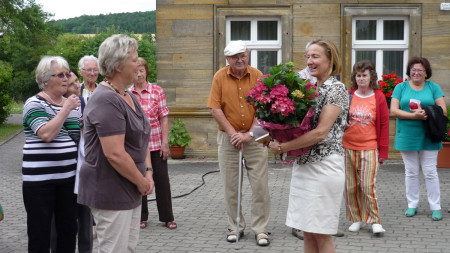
(316, 195)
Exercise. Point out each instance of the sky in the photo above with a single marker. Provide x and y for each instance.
(64, 9)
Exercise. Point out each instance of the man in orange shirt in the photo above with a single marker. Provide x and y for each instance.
(236, 120)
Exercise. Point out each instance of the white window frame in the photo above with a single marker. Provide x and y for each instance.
(254, 45)
(379, 45)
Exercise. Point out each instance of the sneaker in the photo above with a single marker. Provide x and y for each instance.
(355, 227)
(377, 228)
(297, 233)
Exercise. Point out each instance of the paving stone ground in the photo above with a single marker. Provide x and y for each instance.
(201, 215)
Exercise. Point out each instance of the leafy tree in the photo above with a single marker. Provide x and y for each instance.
(136, 22)
(25, 37)
(5, 100)
(70, 47)
(147, 50)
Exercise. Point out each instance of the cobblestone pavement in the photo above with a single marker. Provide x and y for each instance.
(201, 215)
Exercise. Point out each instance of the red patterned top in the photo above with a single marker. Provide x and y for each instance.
(153, 102)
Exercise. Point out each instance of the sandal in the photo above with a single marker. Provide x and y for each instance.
(297, 233)
(262, 239)
(171, 225)
(437, 215)
(410, 212)
(231, 235)
(143, 224)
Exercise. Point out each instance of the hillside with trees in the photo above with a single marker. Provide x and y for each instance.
(26, 35)
(133, 22)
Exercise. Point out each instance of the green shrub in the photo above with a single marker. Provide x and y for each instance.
(5, 99)
(178, 134)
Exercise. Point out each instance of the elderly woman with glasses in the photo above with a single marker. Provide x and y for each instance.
(117, 169)
(418, 151)
(51, 126)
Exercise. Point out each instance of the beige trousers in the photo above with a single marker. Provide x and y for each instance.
(255, 156)
(117, 231)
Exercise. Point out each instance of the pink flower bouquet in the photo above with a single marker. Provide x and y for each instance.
(283, 104)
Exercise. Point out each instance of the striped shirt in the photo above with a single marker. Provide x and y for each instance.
(44, 162)
(153, 102)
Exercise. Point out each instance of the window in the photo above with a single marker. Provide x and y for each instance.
(263, 39)
(267, 30)
(382, 40)
(387, 34)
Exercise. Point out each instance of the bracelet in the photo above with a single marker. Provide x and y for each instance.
(149, 169)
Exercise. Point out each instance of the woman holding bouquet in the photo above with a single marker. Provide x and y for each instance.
(318, 176)
(366, 143)
(418, 151)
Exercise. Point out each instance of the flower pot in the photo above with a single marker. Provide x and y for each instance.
(443, 159)
(177, 152)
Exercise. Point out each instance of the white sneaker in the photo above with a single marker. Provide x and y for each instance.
(355, 227)
(377, 228)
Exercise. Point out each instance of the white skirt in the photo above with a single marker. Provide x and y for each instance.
(316, 195)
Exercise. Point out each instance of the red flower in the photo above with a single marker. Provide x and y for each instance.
(388, 84)
(276, 99)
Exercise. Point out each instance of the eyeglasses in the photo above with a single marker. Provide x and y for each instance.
(237, 57)
(62, 75)
(417, 71)
(91, 70)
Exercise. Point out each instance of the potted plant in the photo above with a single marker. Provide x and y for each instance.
(179, 138)
(443, 160)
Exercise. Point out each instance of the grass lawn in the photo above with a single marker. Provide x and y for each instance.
(7, 130)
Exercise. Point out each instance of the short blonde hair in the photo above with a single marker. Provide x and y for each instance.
(44, 70)
(113, 52)
(332, 53)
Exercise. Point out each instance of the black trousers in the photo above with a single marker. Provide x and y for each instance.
(41, 202)
(85, 234)
(162, 190)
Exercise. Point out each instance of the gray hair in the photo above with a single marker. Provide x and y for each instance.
(86, 58)
(44, 69)
(307, 45)
(113, 52)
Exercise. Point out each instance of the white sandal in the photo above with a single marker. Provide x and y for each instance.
(262, 239)
(231, 235)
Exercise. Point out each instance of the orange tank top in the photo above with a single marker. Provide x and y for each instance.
(361, 134)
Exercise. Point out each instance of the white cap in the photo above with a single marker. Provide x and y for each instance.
(235, 47)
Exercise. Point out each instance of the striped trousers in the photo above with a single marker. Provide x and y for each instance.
(361, 168)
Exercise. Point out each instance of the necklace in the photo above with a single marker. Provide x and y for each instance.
(62, 99)
(114, 88)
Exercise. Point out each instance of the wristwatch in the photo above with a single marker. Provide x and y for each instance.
(149, 169)
(251, 133)
(279, 148)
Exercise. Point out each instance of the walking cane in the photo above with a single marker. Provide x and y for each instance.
(239, 200)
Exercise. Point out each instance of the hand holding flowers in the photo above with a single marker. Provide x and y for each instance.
(283, 103)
